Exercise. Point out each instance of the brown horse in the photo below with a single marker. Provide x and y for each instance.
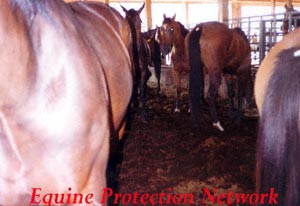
(172, 34)
(62, 97)
(291, 19)
(141, 57)
(216, 48)
(277, 93)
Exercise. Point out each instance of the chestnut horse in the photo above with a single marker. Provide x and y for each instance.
(216, 48)
(171, 35)
(277, 93)
(150, 37)
(62, 97)
(141, 57)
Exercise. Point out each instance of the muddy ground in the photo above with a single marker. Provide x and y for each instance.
(165, 155)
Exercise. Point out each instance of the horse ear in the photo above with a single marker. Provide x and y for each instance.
(164, 16)
(124, 9)
(141, 9)
(173, 18)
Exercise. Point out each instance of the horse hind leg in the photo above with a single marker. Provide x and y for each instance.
(244, 80)
(231, 94)
(215, 82)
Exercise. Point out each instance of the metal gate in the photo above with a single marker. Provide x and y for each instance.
(264, 32)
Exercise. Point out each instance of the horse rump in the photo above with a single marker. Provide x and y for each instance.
(278, 141)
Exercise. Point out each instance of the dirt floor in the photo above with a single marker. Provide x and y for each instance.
(164, 155)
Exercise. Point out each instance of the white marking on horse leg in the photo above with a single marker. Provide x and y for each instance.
(218, 126)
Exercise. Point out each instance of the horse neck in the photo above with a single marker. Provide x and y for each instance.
(179, 43)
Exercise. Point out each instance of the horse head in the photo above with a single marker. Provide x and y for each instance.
(133, 17)
(168, 34)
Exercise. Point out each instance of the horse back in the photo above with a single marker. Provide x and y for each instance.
(106, 12)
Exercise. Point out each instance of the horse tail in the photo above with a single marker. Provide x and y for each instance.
(196, 79)
(278, 148)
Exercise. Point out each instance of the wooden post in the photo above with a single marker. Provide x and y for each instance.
(106, 2)
(187, 21)
(289, 3)
(236, 9)
(223, 10)
(273, 7)
(148, 13)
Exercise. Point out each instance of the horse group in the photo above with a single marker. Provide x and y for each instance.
(63, 97)
(210, 48)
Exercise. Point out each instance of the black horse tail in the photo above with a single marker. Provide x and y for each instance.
(196, 79)
(278, 144)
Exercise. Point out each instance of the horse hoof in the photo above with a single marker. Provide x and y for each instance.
(176, 110)
(218, 126)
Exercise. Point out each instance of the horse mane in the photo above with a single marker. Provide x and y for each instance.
(184, 31)
(240, 32)
(278, 136)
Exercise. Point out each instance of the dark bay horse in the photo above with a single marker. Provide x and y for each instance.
(141, 57)
(150, 37)
(291, 19)
(277, 93)
(210, 48)
(62, 98)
